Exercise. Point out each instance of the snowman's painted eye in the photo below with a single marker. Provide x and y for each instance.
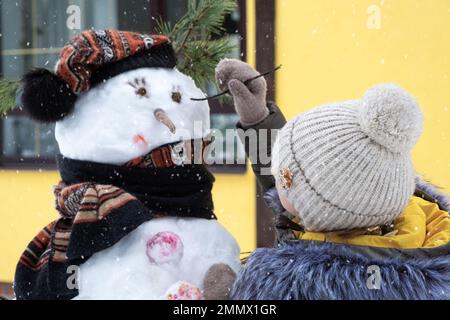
(142, 92)
(176, 96)
(140, 87)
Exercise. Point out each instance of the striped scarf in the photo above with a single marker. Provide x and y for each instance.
(98, 205)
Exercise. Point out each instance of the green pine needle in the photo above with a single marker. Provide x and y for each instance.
(192, 35)
(8, 90)
(201, 58)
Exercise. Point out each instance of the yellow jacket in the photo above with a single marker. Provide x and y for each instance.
(422, 225)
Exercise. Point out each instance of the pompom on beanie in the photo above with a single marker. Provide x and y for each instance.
(348, 165)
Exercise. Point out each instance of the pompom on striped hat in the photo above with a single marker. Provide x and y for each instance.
(87, 60)
(347, 165)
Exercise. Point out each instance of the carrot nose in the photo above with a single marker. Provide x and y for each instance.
(162, 117)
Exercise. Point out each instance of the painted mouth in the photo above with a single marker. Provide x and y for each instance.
(162, 117)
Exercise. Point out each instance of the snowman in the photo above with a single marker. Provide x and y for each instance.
(136, 213)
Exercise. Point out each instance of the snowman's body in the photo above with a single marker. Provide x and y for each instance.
(152, 260)
(113, 123)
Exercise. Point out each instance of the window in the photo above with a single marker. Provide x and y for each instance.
(32, 34)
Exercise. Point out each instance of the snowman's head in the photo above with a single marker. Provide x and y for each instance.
(116, 96)
(131, 114)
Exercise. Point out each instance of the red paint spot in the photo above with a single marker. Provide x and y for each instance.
(140, 139)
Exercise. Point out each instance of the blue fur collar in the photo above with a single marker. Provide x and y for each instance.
(308, 270)
(432, 193)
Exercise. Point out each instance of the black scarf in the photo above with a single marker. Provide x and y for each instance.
(183, 191)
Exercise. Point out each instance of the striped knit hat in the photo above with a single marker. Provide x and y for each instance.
(87, 60)
(348, 165)
(93, 49)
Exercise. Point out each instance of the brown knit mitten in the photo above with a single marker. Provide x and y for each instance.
(250, 100)
(218, 282)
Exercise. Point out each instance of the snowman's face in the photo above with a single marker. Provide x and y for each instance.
(132, 114)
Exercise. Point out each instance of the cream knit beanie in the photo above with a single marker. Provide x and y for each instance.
(348, 165)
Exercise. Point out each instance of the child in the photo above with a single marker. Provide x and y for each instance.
(353, 220)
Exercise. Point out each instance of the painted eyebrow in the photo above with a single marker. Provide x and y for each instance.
(137, 83)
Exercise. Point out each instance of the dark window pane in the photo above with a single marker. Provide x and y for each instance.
(134, 15)
(24, 138)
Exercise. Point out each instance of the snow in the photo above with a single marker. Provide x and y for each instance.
(161, 258)
(107, 118)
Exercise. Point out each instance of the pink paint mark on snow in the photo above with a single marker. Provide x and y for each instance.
(165, 247)
(140, 140)
(184, 291)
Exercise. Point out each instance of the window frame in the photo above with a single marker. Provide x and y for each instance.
(156, 8)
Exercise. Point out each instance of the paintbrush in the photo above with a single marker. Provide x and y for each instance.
(246, 82)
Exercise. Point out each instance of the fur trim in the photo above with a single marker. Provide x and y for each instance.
(432, 193)
(272, 200)
(309, 270)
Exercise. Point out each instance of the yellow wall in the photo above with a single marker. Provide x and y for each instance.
(26, 206)
(329, 54)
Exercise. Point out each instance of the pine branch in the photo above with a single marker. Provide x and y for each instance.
(8, 90)
(191, 37)
(201, 58)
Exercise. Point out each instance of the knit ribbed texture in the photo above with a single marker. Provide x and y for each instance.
(342, 178)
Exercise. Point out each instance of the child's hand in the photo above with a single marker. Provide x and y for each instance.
(249, 101)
